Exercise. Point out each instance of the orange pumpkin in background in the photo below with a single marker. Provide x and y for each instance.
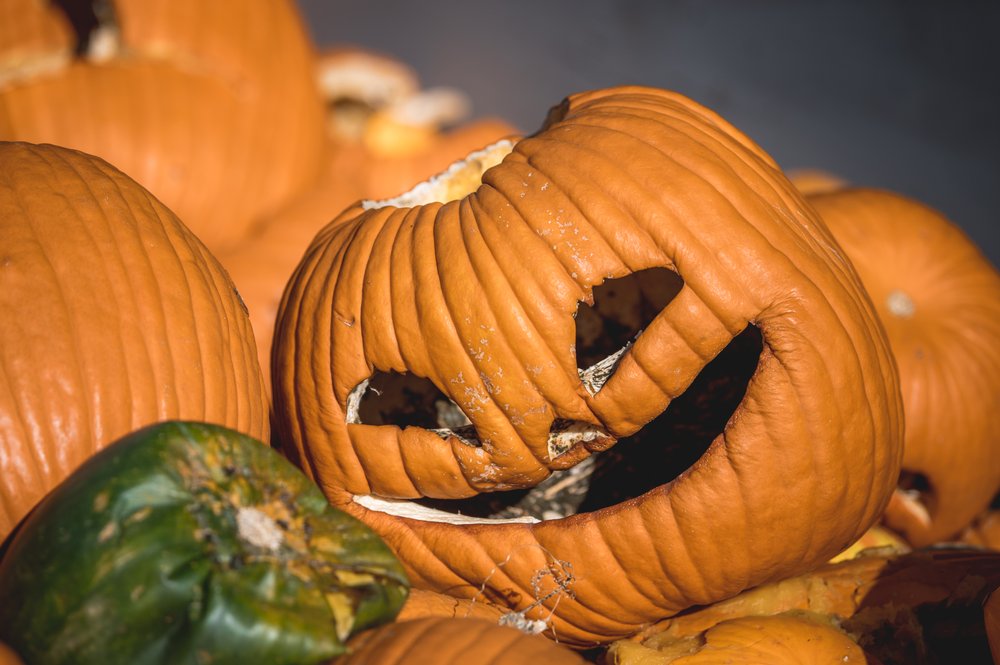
(370, 155)
(112, 316)
(211, 106)
(939, 300)
(425, 348)
(446, 641)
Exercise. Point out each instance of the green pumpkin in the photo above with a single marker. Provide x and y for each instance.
(191, 543)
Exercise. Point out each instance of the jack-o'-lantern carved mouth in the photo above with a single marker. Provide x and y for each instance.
(659, 452)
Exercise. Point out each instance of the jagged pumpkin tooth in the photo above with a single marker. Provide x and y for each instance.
(939, 299)
(427, 346)
(112, 316)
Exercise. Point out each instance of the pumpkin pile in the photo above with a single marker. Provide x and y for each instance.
(296, 367)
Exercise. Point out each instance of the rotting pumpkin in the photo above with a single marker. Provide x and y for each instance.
(112, 316)
(477, 292)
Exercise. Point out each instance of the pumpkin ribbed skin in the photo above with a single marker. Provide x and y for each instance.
(939, 299)
(112, 316)
(181, 105)
(262, 264)
(478, 295)
(440, 641)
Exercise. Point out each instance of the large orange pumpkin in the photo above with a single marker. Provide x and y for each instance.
(112, 316)
(211, 106)
(478, 295)
(939, 299)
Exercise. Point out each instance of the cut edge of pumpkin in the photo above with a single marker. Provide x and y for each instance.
(454, 183)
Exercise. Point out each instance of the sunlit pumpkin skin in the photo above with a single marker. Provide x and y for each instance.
(186, 542)
(939, 299)
(479, 295)
(442, 641)
(213, 107)
(112, 316)
(784, 639)
(421, 603)
(262, 264)
(901, 608)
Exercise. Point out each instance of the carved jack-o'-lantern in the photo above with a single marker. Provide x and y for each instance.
(469, 298)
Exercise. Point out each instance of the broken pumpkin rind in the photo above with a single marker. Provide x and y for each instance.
(478, 295)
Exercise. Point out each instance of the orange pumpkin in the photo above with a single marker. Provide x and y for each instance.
(441, 641)
(939, 300)
(112, 316)
(477, 292)
(8, 657)
(784, 639)
(212, 107)
(34, 37)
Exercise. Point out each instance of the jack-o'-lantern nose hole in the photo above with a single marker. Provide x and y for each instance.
(458, 181)
(405, 400)
(622, 308)
(658, 453)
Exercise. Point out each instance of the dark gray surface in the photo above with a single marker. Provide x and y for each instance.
(897, 94)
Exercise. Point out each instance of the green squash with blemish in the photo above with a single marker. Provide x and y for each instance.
(191, 543)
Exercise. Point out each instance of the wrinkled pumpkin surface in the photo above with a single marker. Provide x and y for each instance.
(477, 293)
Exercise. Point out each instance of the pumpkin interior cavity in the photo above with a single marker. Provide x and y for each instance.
(658, 453)
(621, 309)
(456, 182)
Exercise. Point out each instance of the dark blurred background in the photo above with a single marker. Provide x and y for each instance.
(899, 94)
